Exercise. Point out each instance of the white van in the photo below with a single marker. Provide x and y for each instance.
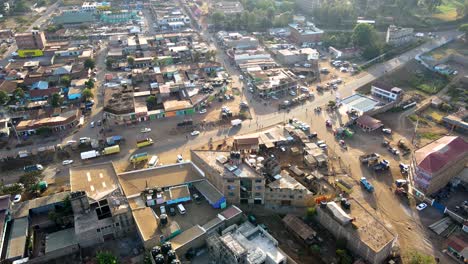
(153, 161)
(181, 209)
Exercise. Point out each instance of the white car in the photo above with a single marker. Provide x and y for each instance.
(304, 89)
(17, 198)
(195, 133)
(92, 124)
(421, 206)
(203, 111)
(145, 130)
(71, 142)
(11, 60)
(241, 77)
(67, 162)
(387, 130)
(292, 93)
(179, 158)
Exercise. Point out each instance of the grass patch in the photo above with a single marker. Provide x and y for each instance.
(434, 114)
(428, 83)
(415, 118)
(447, 11)
(430, 135)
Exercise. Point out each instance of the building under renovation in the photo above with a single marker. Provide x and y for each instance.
(244, 244)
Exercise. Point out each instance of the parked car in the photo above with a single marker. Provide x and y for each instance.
(195, 133)
(203, 111)
(172, 211)
(292, 93)
(67, 162)
(17, 198)
(162, 208)
(179, 158)
(145, 130)
(387, 131)
(421, 206)
(92, 124)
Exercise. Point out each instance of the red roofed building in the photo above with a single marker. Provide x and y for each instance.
(457, 245)
(438, 162)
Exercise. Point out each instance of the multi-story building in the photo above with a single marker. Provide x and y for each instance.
(228, 7)
(305, 33)
(30, 44)
(238, 181)
(286, 191)
(398, 35)
(288, 56)
(100, 209)
(387, 92)
(273, 81)
(439, 162)
(236, 40)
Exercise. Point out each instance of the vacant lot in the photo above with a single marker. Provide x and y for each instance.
(455, 47)
(414, 76)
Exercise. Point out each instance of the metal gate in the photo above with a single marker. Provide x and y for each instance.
(438, 206)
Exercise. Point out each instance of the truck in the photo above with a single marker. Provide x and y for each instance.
(144, 142)
(369, 158)
(382, 165)
(89, 154)
(367, 185)
(111, 150)
(402, 145)
(35, 167)
(236, 122)
(114, 140)
(139, 157)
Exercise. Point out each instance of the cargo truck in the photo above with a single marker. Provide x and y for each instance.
(89, 154)
(114, 140)
(139, 157)
(144, 142)
(367, 185)
(111, 150)
(35, 167)
(369, 158)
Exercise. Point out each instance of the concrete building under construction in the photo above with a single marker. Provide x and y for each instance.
(245, 244)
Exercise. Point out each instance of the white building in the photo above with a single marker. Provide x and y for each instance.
(386, 92)
(398, 35)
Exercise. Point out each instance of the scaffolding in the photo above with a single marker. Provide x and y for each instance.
(225, 249)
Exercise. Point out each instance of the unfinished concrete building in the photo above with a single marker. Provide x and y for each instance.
(245, 244)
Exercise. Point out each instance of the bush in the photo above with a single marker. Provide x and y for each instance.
(311, 212)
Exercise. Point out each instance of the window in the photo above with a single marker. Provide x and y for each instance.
(258, 181)
(117, 224)
(98, 230)
(258, 194)
(231, 187)
(300, 197)
(231, 194)
(291, 196)
(231, 181)
(258, 187)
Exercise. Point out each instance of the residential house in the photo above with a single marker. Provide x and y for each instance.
(386, 92)
(438, 162)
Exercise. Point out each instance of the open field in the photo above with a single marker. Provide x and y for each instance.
(455, 47)
(447, 11)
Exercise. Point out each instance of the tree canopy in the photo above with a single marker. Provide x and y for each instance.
(106, 258)
(4, 98)
(89, 63)
(87, 93)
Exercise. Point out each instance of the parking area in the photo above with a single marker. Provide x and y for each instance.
(197, 213)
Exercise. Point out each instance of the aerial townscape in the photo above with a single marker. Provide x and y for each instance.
(234, 132)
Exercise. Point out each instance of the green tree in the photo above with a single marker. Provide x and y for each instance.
(11, 189)
(89, 63)
(109, 62)
(89, 84)
(87, 94)
(56, 100)
(364, 35)
(65, 80)
(344, 257)
(130, 60)
(4, 98)
(18, 93)
(311, 212)
(217, 18)
(464, 28)
(30, 181)
(106, 258)
(151, 100)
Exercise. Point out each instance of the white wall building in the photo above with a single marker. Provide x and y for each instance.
(398, 35)
(386, 92)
